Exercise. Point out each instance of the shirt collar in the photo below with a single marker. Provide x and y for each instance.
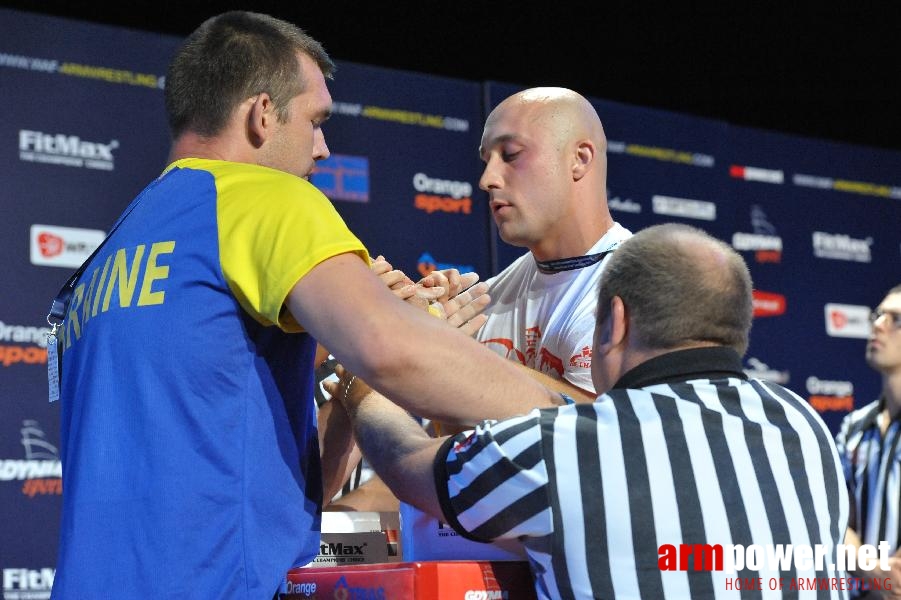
(682, 365)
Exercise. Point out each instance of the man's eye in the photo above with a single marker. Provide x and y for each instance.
(508, 156)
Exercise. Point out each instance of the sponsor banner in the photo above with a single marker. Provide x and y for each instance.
(768, 304)
(829, 395)
(838, 246)
(73, 69)
(760, 370)
(442, 195)
(67, 150)
(695, 159)
(766, 245)
(756, 174)
(343, 177)
(684, 207)
(847, 320)
(626, 205)
(402, 116)
(22, 345)
(846, 185)
(56, 246)
(40, 472)
(20, 583)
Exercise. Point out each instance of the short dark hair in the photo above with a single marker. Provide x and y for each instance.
(232, 57)
(679, 286)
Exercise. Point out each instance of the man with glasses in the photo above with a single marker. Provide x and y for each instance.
(868, 443)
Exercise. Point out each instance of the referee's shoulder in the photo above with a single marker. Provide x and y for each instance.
(859, 417)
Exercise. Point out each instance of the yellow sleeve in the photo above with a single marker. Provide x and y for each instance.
(273, 229)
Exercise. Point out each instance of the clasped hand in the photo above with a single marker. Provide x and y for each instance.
(460, 298)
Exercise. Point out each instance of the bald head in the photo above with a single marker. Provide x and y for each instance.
(681, 288)
(562, 114)
(545, 157)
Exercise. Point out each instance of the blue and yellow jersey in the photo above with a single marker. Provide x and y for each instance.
(188, 433)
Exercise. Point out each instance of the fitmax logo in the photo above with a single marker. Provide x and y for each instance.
(341, 549)
(69, 150)
(28, 580)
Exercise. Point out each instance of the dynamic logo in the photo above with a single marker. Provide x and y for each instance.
(41, 471)
(684, 208)
(30, 345)
(27, 584)
(766, 245)
(837, 246)
(63, 246)
(847, 320)
(756, 174)
(442, 195)
(826, 395)
(343, 177)
(760, 370)
(427, 264)
(768, 304)
(67, 150)
(627, 205)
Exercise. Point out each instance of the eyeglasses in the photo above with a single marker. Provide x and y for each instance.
(894, 318)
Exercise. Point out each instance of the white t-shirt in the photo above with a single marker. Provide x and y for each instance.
(546, 321)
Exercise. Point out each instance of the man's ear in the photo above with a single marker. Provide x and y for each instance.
(619, 325)
(260, 119)
(613, 329)
(585, 152)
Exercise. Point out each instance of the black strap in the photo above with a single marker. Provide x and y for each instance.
(575, 262)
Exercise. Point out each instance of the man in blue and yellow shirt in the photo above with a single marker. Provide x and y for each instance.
(191, 464)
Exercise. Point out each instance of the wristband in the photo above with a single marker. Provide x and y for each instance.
(567, 399)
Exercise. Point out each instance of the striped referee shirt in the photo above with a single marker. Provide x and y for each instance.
(872, 466)
(684, 450)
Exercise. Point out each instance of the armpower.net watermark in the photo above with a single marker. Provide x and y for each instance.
(773, 558)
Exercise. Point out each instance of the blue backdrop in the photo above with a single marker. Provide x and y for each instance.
(819, 223)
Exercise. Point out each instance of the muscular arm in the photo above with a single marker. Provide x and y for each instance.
(398, 448)
(337, 447)
(418, 361)
(561, 386)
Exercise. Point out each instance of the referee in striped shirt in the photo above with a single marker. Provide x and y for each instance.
(682, 450)
(868, 443)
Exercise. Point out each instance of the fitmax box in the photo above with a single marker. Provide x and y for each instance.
(357, 538)
(426, 538)
(436, 580)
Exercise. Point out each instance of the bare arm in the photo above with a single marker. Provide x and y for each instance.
(371, 495)
(337, 448)
(418, 361)
(561, 386)
(400, 451)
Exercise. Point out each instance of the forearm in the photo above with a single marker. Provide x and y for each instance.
(561, 386)
(338, 450)
(372, 495)
(399, 450)
(413, 358)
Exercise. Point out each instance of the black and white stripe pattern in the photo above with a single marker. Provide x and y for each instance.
(872, 468)
(595, 489)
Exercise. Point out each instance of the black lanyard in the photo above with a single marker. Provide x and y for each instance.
(575, 262)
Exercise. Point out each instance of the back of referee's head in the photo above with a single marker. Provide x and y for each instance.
(676, 287)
